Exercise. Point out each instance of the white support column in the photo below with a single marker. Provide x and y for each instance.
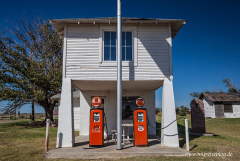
(169, 135)
(85, 106)
(65, 135)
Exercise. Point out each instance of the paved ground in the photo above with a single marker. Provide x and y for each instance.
(82, 150)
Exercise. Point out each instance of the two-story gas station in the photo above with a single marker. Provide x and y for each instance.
(117, 64)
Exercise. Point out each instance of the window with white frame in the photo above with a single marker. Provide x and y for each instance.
(127, 49)
(108, 46)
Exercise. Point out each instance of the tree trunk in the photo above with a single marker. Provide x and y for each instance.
(48, 106)
(33, 118)
(49, 114)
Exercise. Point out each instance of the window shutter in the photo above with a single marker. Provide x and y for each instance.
(228, 108)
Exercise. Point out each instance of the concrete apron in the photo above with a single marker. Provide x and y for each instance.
(83, 151)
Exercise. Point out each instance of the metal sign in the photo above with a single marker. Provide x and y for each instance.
(96, 101)
(139, 102)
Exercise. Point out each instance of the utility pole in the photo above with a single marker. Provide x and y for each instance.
(119, 74)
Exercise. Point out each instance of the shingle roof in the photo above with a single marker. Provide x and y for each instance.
(221, 97)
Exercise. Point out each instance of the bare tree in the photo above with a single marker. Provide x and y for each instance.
(231, 86)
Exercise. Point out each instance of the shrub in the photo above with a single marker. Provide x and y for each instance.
(177, 110)
(182, 111)
(157, 110)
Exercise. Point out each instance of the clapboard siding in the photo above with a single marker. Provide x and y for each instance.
(153, 51)
(209, 108)
(82, 58)
(235, 113)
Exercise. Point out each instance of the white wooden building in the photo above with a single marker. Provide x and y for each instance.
(89, 64)
(221, 105)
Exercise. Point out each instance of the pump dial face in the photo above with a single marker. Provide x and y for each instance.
(139, 102)
(96, 101)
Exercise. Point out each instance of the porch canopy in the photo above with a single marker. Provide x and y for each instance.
(111, 85)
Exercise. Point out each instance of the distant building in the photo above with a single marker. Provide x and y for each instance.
(76, 106)
(55, 110)
(221, 105)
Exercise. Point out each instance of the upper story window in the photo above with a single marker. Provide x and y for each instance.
(127, 46)
(110, 46)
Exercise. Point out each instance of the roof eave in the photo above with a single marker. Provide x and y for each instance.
(58, 24)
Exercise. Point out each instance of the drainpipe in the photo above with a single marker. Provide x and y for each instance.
(119, 74)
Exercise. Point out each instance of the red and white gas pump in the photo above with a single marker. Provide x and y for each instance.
(96, 134)
(140, 124)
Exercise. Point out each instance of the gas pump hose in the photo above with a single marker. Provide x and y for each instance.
(106, 127)
(167, 125)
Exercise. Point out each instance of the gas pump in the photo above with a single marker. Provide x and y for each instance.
(140, 124)
(96, 127)
(96, 134)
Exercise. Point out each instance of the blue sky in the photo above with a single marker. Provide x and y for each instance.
(205, 51)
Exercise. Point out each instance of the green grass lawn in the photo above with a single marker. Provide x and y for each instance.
(24, 141)
(226, 137)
